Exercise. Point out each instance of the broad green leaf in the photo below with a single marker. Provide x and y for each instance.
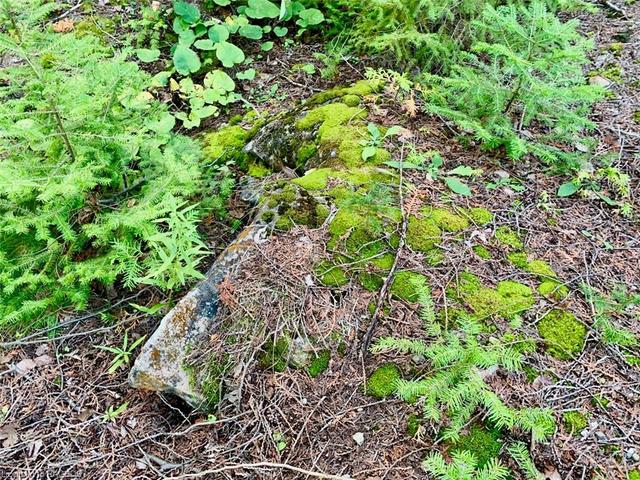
(310, 16)
(228, 54)
(404, 165)
(219, 80)
(568, 189)
(465, 171)
(185, 60)
(249, 74)
(456, 186)
(280, 31)
(266, 46)
(148, 55)
(368, 152)
(374, 130)
(187, 38)
(163, 125)
(395, 130)
(218, 33)
(252, 32)
(187, 11)
(222, 3)
(160, 79)
(205, 44)
(262, 9)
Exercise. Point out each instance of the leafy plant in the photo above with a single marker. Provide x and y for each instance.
(111, 413)
(122, 354)
(463, 466)
(376, 139)
(524, 68)
(457, 385)
(92, 181)
(202, 49)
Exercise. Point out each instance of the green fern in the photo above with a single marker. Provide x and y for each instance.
(463, 466)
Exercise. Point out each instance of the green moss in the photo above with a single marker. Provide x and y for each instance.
(97, 26)
(518, 342)
(519, 259)
(211, 385)
(553, 290)
(405, 285)
(318, 178)
(633, 475)
(434, 257)
(636, 116)
(413, 425)
(227, 144)
(382, 382)
(531, 373)
(508, 237)
(540, 268)
(329, 116)
(506, 300)
(305, 152)
(422, 234)
(351, 100)
(370, 281)
(319, 364)
(480, 216)
(258, 170)
(563, 333)
(362, 88)
(483, 443)
(482, 252)
(330, 275)
(275, 355)
(383, 262)
(574, 421)
(445, 219)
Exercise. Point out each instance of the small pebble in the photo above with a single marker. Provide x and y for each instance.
(358, 437)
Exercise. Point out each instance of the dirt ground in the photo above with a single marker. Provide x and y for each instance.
(54, 392)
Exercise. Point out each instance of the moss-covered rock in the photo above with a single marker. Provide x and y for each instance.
(382, 382)
(227, 144)
(258, 170)
(406, 284)
(563, 334)
(574, 421)
(484, 443)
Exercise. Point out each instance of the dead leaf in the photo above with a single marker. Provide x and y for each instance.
(34, 448)
(410, 107)
(24, 366)
(43, 360)
(63, 26)
(42, 349)
(552, 474)
(9, 436)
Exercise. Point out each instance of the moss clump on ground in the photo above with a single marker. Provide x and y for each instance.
(319, 363)
(258, 170)
(563, 334)
(445, 219)
(482, 252)
(507, 299)
(227, 144)
(422, 234)
(330, 275)
(406, 284)
(553, 290)
(633, 475)
(211, 384)
(482, 442)
(382, 382)
(600, 401)
(574, 421)
(370, 281)
(508, 237)
(318, 178)
(480, 216)
(275, 355)
(351, 100)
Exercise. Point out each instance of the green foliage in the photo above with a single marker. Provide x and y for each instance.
(606, 308)
(464, 466)
(319, 363)
(519, 452)
(204, 46)
(406, 285)
(483, 442)
(94, 187)
(524, 67)
(123, 353)
(456, 388)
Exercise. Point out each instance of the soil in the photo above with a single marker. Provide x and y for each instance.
(55, 391)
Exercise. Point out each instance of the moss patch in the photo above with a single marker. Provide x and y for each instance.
(258, 170)
(445, 219)
(382, 382)
(405, 285)
(422, 234)
(227, 144)
(319, 363)
(275, 355)
(564, 335)
(506, 300)
(330, 275)
(480, 216)
(574, 421)
(413, 425)
(482, 252)
(553, 290)
(480, 441)
(508, 237)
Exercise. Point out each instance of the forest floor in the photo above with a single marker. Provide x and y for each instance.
(55, 391)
